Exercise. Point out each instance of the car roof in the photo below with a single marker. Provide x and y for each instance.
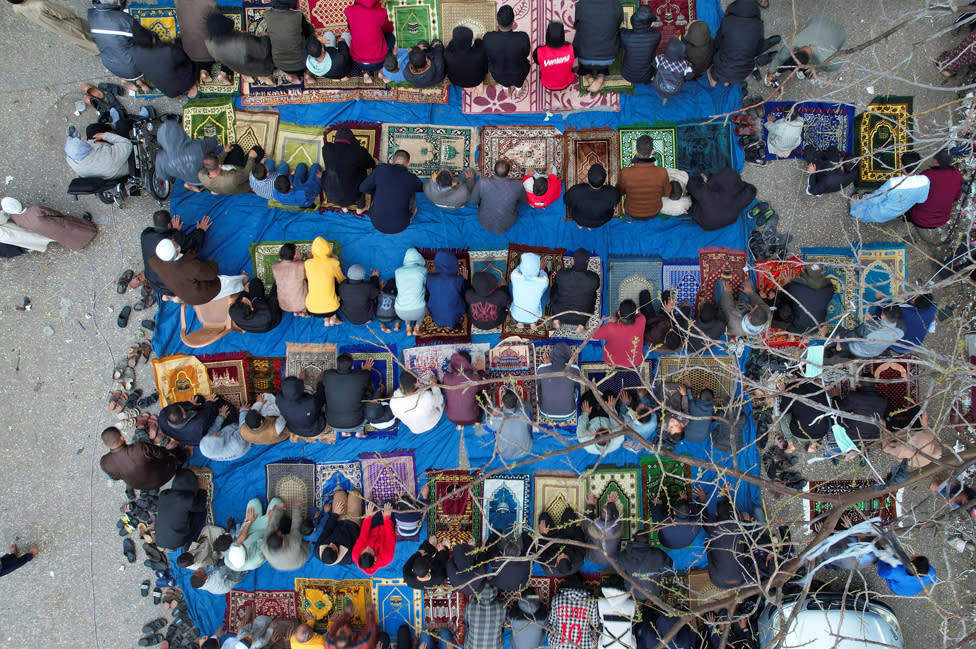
(839, 629)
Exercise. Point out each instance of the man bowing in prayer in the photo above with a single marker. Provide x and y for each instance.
(70, 231)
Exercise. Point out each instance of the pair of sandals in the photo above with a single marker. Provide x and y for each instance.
(104, 97)
(120, 401)
(139, 354)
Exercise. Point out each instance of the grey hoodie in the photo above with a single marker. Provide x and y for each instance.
(513, 434)
(181, 157)
(528, 620)
(558, 395)
(451, 198)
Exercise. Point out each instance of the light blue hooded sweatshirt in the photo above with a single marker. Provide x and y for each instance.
(530, 289)
(892, 199)
(411, 282)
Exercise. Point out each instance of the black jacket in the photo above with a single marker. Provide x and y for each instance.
(302, 412)
(725, 548)
(865, 402)
(466, 62)
(487, 301)
(645, 565)
(466, 569)
(738, 42)
(807, 422)
(510, 572)
(264, 313)
(433, 75)
(575, 289)
(639, 44)
(166, 66)
(830, 177)
(810, 308)
(112, 30)
(591, 207)
(438, 567)
(718, 202)
(597, 24)
(190, 432)
(345, 392)
(508, 56)
(392, 187)
(181, 511)
(358, 299)
(343, 533)
(345, 166)
(151, 237)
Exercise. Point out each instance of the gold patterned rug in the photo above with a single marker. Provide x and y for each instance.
(884, 133)
(554, 492)
(523, 147)
(315, 357)
(318, 599)
(257, 127)
(179, 377)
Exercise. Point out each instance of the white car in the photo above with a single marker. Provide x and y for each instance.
(830, 621)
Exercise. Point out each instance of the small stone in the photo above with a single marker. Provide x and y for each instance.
(48, 331)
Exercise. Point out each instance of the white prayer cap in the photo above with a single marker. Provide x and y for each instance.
(166, 250)
(235, 556)
(11, 206)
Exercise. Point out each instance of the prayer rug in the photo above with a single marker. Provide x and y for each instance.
(613, 81)
(719, 373)
(161, 21)
(628, 276)
(625, 482)
(414, 21)
(179, 378)
(704, 148)
(554, 492)
(215, 88)
(282, 88)
(505, 505)
(326, 474)
(316, 357)
(257, 128)
(385, 371)
(318, 599)
(665, 144)
(683, 279)
(210, 118)
(478, 16)
(387, 476)
(228, 377)
(882, 267)
(244, 606)
(264, 374)
(290, 481)
(609, 378)
(885, 506)
(774, 274)
(569, 331)
(444, 609)
(674, 589)
(884, 133)
(551, 261)
(701, 589)
(321, 92)
(898, 382)
(584, 148)
(429, 332)
(489, 261)
(397, 604)
(542, 352)
(431, 147)
(533, 97)
(840, 267)
(523, 147)
(430, 364)
(544, 587)
(673, 18)
(296, 144)
(824, 125)
(265, 254)
(206, 474)
(366, 133)
(254, 17)
(326, 15)
(453, 513)
(662, 478)
(512, 364)
(713, 261)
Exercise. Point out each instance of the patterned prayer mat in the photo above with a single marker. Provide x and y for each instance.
(712, 262)
(228, 377)
(161, 21)
(282, 90)
(415, 21)
(433, 361)
(674, 589)
(397, 604)
(264, 374)
(523, 147)
(489, 261)
(701, 589)
(321, 92)
(444, 609)
(431, 148)
(824, 125)
(542, 350)
(884, 133)
(613, 81)
(453, 513)
(662, 478)
(673, 18)
(569, 331)
(584, 148)
(385, 369)
(720, 373)
(179, 378)
(326, 473)
(625, 482)
(883, 267)
(898, 382)
(774, 274)
(886, 506)
(704, 148)
(840, 266)
(326, 15)
(554, 492)
(512, 364)
(210, 118)
(207, 474)
(255, 127)
(290, 481)
(265, 254)
(254, 17)
(367, 133)
(533, 97)
(628, 276)
(505, 504)
(683, 279)
(540, 585)
(551, 261)
(387, 476)
(479, 16)
(215, 88)
(317, 357)
(296, 144)
(244, 606)
(429, 331)
(318, 599)
(613, 379)
(665, 144)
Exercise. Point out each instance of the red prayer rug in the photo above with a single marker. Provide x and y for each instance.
(244, 606)
(712, 262)
(673, 18)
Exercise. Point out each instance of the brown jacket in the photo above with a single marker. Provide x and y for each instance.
(141, 465)
(643, 186)
(190, 278)
(70, 231)
(265, 434)
(919, 443)
(229, 181)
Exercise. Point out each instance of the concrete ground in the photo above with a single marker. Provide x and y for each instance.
(80, 591)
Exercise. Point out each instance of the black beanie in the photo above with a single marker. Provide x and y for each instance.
(253, 419)
(597, 175)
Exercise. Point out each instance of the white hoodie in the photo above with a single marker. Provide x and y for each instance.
(617, 611)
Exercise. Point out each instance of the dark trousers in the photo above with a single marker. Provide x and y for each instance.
(593, 70)
(813, 156)
(122, 127)
(238, 158)
(10, 562)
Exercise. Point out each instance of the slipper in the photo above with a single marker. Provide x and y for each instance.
(154, 554)
(127, 376)
(137, 281)
(157, 593)
(145, 402)
(144, 588)
(133, 398)
(145, 351)
(145, 534)
(129, 550)
(148, 325)
(123, 319)
(150, 640)
(155, 625)
(166, 582)
(132, 356)
(123, 284)
(156, 566)
(116, 401)
(146, 302)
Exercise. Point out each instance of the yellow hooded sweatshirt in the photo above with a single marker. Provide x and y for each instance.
(324, 273)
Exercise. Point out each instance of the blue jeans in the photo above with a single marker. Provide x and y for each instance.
(282, 167)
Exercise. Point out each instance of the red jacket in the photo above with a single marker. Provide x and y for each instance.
(547, 199)
(368, 26)
(555, 66)
(945, 188)
(624, 343)
(382, 539)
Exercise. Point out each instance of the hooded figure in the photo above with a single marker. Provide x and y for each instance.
(70, 231)
(603, 528)
(287, 29)
(672, 69)
(718, 202)
(726, 546)
(639, 44)
(555, 59)
(617, 610)
(466, 569)
(738, 42)
(303, 413)
(180, 157)
(680, 528)
(597, 23)
(359, 296)
(530, 290)
(368, 26)
(466, 61)
(324, 273)
(462, 408)
(346, 391)
(261, 313)
(165, 65)
(241, 52)
(558, 395)
(411, 282)
(487, 301)
(575, 289)
(181, 511)
(699, 46)
(528, 622)
(446, 290)
(197, 420)
(113, 29)
(346, 164)
(644, 564)
(107, 157)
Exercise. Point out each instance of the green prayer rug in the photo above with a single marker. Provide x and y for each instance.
(414, 21)
(296, 144)
(883, 135)
(210, 118)
(265, 253)
(431, 147)
(665, 144)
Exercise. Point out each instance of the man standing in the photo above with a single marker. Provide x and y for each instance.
(283, 546)
(113, 29)
(394, 190)
(508, 51)
(643, 184)
(592, 204)
(228, 173)
(140, 465)
(498, 199)
(182, 510)
(59, 20)
(573, 616)
(191, 279)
